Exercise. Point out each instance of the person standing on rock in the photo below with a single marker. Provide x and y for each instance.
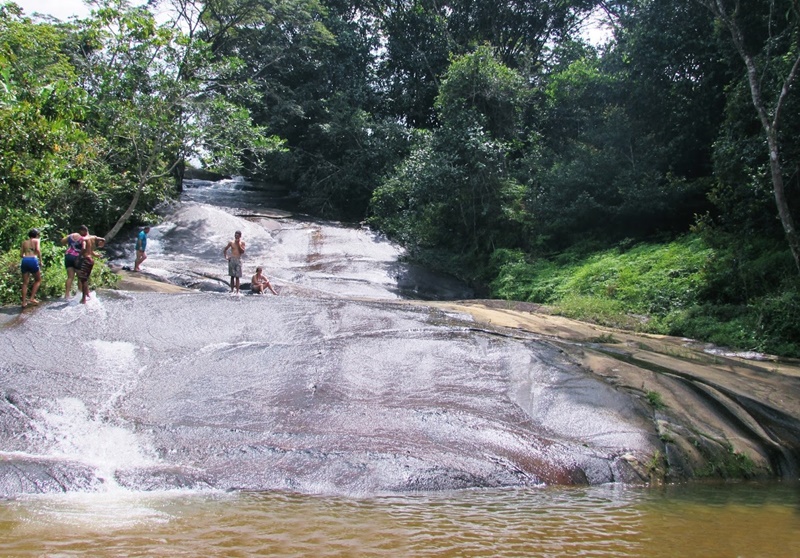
(141, 247)
(74, 244)
(31, 255)
(236, 247)
(86, 261)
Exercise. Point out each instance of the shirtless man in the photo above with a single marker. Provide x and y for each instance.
(31, 255)
(259, 283)
(236, 247)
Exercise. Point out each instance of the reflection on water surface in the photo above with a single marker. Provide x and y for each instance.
(745, 520)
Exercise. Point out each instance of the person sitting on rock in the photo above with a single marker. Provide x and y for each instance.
(259, 283)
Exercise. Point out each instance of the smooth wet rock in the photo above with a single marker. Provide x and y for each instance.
(30, 475)
(718, 414)
(315, 395)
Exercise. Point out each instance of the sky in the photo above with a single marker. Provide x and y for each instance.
(62, 9)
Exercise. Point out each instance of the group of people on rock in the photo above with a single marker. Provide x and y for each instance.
(259, 283)
(79, 260)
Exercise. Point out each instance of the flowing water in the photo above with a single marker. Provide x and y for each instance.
(304, 256)
(145, 449)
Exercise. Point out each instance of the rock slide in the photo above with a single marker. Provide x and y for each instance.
(344, 384)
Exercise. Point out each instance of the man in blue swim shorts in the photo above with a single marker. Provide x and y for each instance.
(31, 254)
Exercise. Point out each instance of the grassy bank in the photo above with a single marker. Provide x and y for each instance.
(683, 288)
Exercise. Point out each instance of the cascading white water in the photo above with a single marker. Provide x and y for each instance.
(71, 432)
(300, 255)
(99, 439)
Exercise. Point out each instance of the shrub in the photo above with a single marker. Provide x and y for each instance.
(655, 399)
(602, 311)
(518, 278)
(649, 279)
(677, 288)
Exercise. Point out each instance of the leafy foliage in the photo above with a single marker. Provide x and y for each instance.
(42, 148)
(153, 105)
(667, 288)
(97, 114)
(455, 191)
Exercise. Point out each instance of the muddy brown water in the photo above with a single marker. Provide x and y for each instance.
(745, 520)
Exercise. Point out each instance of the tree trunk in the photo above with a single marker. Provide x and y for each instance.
(178, 173)
(127, 214)
(780, 200)
(723, 13)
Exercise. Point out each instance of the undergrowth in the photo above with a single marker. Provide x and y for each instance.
(673, 288)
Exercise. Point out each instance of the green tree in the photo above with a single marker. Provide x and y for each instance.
(454, 195)
(348, 144)
(311, 63)
(669, 62)
(46, 156)
(522, 32)
(155, 103)
(765, 37)
(417, 54)
(627, 133)
(50, 167)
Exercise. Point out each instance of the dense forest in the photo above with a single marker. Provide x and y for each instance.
(649, 181)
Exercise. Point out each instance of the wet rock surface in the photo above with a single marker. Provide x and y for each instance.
(364, 397)
(308, 394)
(717, 413)
(343, 385)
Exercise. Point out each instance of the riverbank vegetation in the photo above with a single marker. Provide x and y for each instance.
(648, 180)
(684, 287)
